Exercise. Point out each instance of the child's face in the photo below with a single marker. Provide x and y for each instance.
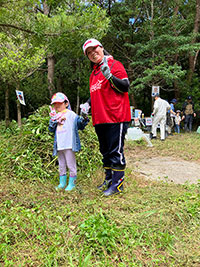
(178, 114)
(59, 107)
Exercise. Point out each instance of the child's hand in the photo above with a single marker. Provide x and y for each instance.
(60, 118)
(53, 113)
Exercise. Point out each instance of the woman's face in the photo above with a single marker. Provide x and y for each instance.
(95, 54)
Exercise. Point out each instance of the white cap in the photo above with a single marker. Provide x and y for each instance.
(91, 43)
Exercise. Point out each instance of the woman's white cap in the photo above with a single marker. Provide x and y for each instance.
(91, 43)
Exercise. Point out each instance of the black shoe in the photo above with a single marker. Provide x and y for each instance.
(151, 136)
(162, 139)
(105, 185)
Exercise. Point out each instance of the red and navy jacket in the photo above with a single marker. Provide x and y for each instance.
(108, 104)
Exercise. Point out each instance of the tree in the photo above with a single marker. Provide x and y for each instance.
(61, 26)
(194, 54)
(18, 61)
(154, 48)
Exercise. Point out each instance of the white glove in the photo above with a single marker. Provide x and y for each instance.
(85, 108)
(105, 69)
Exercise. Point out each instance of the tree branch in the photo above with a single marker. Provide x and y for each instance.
(16, 27)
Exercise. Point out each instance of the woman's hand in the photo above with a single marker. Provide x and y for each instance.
(105, 69)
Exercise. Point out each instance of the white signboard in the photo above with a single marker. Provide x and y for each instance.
(155, 90)
(20, 97)
(148, 121)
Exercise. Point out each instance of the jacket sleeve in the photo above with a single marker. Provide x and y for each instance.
(52, 126)
(82, 123)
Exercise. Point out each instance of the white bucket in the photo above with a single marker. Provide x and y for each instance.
(134, 133)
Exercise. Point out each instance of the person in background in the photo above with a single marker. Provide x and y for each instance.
(171, 116)
(160, 109)
(65, 124)
(110, 109)
(178, 121)
(188, 114)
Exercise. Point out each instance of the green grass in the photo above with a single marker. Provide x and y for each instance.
(149, 224)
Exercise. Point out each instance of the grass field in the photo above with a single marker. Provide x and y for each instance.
(149, 224)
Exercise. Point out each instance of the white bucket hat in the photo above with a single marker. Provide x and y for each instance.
(91, 43)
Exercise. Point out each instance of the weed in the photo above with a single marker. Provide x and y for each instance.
(150, 224)
(99, 234)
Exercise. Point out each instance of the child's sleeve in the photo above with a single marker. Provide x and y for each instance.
(82, 123)
(52, 126)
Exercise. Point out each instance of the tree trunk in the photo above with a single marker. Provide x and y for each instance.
(19, 116)
(193, 58)
(176, 87)
(7, 117)
(59, 84)
(50, 75)
(176, 90)
(50, 57)
(77, 100)
(132, 100)
(131, 95)
(151, 38)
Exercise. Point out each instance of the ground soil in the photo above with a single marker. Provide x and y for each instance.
(168, 168)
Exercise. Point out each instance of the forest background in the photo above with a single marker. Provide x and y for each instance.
(41, 49)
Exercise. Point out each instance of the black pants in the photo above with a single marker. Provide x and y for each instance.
(188, 122)
(111, 140)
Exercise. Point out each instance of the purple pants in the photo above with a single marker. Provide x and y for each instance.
(67, 159)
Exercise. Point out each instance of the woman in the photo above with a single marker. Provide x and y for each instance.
(110, 108)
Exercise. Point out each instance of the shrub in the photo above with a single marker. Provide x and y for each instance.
(26, 153)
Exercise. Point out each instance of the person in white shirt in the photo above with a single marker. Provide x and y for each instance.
(159, 114)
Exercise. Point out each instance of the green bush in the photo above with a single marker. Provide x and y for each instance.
(26, 153)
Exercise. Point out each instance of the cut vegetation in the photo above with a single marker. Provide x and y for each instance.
(153, 223)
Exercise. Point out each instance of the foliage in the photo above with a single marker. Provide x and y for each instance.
(98, 234)
(61, 33)
(28, 151)
(18, 60)
(150, 224)
(154, 49)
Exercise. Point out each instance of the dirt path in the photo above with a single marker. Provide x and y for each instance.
(167, 169)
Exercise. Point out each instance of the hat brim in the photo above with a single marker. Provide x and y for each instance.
(91, 46)
(57, 101)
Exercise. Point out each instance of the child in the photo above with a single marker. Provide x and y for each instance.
(177, 121)
(65, 124)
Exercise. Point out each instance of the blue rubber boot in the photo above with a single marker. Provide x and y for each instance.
(63, 182)
(108, 180)
(117, 183)
(71, 185)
